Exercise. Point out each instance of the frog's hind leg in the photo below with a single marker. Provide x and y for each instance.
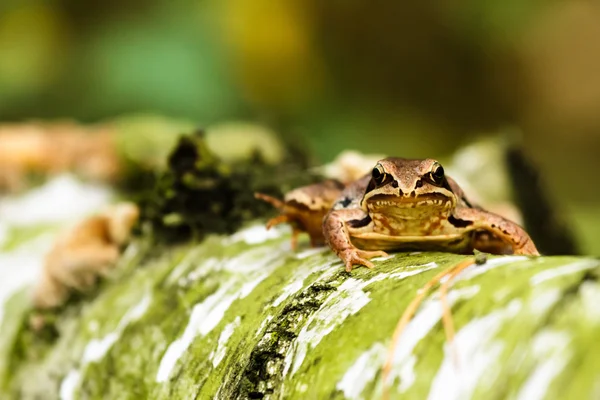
(280, 219)
(275, 202)
(294, 239)
(447, 321)
(498, 227)
(488, 243)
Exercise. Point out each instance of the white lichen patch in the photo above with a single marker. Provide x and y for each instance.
(21, 267)
(130, 252)
(243, 274)
(249, 286)
(542, 300)
(362, 372)
(93, 326)
(256, 234)
(311, 252)
(572, 268)
(288, 290)
(407, 373)
(69, 385)
(473, 352)
(550, 351)
(420, 326)
(476, 270)
(226, 333)
(380, 259)
(411, 271)
(299, 276)
(202, 319)
(263, 324)
(96, 349)
(347, 300)
(206, 267)
(590, 297)
(61, 199)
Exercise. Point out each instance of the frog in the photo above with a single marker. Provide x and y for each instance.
(412, 205)
(304, 209)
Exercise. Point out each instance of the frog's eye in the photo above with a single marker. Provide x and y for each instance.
(378, 174)
(437, 174)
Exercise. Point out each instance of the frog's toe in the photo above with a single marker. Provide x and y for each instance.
(280, 219)
(367, 263)
(294, 239)
(372, 254)
(358, 261)
(360, 257)
(349, 266)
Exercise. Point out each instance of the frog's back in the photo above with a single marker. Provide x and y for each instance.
(316, 197)
(352, 195)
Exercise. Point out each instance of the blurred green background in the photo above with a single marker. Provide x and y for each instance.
(409, 78)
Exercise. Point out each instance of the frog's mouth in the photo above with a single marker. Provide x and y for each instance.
(432, 200)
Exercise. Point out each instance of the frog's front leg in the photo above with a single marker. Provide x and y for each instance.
(503, 229)
(337, 235)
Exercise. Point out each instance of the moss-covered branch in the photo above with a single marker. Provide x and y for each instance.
(244, 317)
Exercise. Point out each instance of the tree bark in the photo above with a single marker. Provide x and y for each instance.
(245, 317)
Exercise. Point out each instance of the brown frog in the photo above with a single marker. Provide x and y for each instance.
(412, 205)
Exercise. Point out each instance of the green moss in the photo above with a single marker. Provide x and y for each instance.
(249, 340)
(14, 308)
(198, 193)
(17, 235)
(264, 370)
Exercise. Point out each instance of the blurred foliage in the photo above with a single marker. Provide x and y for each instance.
(406, 78)
(199, 192)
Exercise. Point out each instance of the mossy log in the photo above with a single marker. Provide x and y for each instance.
(245, 317)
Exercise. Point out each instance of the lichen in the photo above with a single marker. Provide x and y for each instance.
(249, 318)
